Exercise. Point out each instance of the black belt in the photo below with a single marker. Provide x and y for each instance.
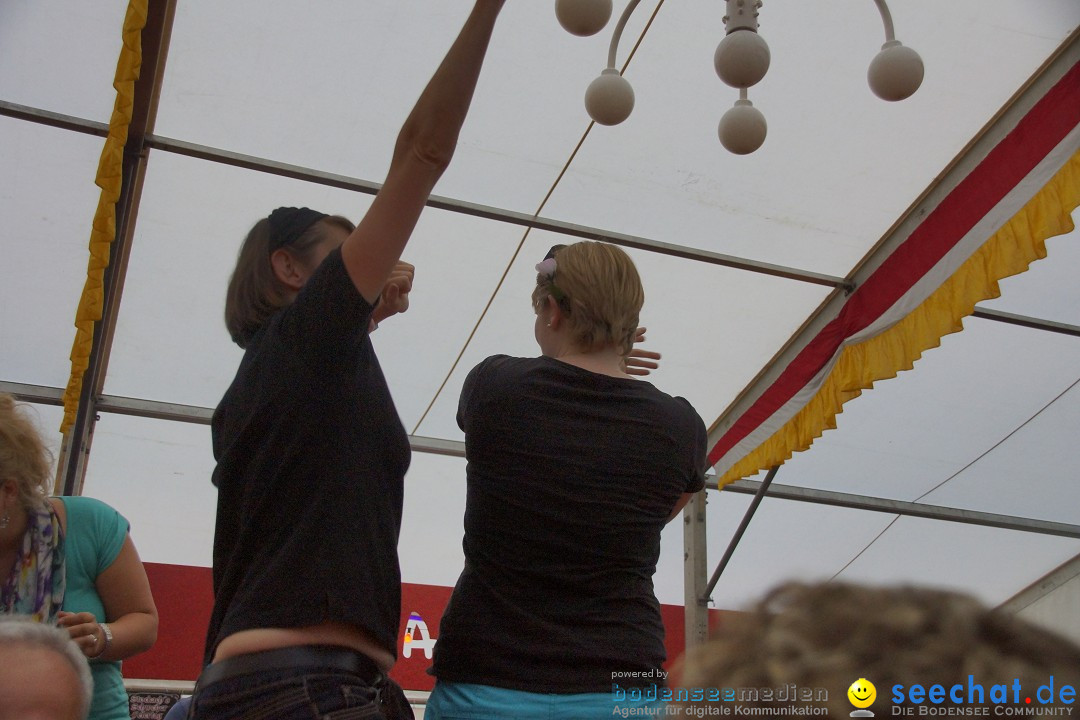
(328, 657)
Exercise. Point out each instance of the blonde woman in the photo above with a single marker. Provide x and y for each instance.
(70, 561)
(574, 468)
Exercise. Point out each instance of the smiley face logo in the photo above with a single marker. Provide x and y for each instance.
(862, 693)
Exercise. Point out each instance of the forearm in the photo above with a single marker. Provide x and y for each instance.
(431, 130)
(132, 634)
(423, 151)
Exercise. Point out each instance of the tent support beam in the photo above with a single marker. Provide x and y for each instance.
(344, 182)
(45, 395)
(68, 122)
(492, 213)
(907, 509)
(1045, 585)
(695, 566)
(759, 494)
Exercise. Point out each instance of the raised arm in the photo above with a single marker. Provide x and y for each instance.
(423, 150)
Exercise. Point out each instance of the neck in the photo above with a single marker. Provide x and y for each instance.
(11, 539)
(605, 361)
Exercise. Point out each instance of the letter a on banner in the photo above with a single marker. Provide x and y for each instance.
(414, 628)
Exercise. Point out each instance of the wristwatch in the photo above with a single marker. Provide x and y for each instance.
(106, 632)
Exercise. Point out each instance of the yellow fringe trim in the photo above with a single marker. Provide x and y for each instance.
(109, 179)
(1009, 251)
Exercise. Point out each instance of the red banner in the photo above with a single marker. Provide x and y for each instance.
(184, 597)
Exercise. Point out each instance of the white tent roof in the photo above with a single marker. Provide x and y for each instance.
(986, 423)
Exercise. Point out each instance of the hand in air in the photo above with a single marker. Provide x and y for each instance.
(640, 362)
(394, 298)
(84, 630)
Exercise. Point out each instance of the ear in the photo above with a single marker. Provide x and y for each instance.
(287, 269)
(9, 492)
(554, 312)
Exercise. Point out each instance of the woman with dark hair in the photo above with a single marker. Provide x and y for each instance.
(574, 468)
(311, 454)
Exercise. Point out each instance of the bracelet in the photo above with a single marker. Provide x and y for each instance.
(106, 632)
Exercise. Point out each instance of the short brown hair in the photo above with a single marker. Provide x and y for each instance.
(599, 288)
(830, 635)
(254, 292)
(24, 458)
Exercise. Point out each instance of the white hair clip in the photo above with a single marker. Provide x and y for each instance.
(547, 268)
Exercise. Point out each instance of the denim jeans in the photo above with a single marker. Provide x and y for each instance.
(465, 701)
(289, 694)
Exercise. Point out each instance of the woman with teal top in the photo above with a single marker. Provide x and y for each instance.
(70, 561)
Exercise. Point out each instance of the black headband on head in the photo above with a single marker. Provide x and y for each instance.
(554, 249)
(289, 223)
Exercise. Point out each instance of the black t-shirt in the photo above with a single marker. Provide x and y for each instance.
(571, 478)
(311, 457)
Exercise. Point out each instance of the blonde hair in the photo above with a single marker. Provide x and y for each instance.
(599, 289)
(255, 293)
(24, 459)
(830, 635)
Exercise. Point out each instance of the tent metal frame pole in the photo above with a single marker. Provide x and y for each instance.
(45, 395)
(344, 182)
(1062, 575)
(492, 213)
(907, 509)
(67, 122)
(695, 567)
(734, 542)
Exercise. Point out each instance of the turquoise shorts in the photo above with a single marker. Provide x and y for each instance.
(462, 701)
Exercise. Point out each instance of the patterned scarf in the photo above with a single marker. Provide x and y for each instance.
(36, 584)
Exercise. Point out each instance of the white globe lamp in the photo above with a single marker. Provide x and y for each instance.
(896, 72)
(742, 128)
(583, 17)
(742, 58)
(609, 98)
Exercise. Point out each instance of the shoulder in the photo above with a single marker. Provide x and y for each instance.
(497, 365)
(82, 505)
(493, 373)
(677, 410)
(331, 278)
(84, 511)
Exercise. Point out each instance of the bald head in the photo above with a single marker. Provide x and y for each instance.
(43, 676)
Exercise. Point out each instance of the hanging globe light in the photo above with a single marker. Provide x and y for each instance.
(583, 17)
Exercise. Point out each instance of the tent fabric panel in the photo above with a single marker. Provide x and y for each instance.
(814, 543)
(328, 85)
(193, 217)
(785, 541)
(954, 556)
(838, 165)
(1030, 473)
(60, 55)
(46, 198)
(156, 473)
